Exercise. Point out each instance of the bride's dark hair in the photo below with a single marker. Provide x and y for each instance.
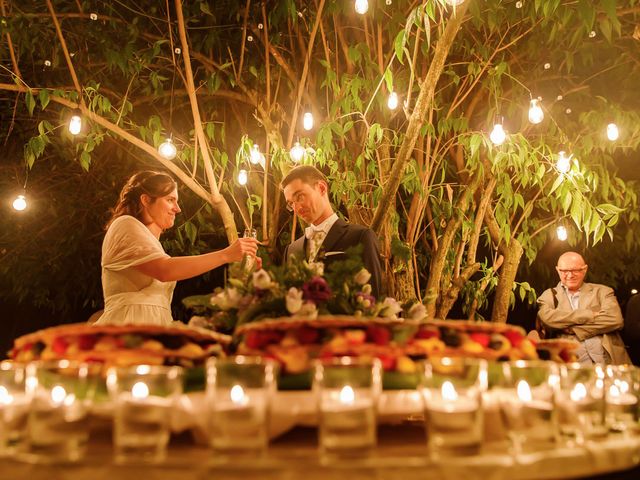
(154, 184)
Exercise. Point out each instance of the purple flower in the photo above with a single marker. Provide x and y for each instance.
(316, 290)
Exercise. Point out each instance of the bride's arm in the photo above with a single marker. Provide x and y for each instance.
(169, 269)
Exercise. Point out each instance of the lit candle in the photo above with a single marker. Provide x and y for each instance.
(619, 395)
(347, 420)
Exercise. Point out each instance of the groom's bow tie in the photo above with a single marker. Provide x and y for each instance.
(312, 230)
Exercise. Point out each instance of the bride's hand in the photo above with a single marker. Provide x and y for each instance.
(242, 247)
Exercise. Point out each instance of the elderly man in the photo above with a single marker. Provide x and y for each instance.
(588, 312)
(306, 191)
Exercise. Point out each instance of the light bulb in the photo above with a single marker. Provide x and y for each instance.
(536, 115)
(20, 203)
(75, 125)
(634, 291)
(167, 149)
(255, 156)
(307, 121)
(362, 6)
(612, 132)
(561, 233)
(392, 101)
(243, 177)
(297, 152)
(563, 164)
(455, 3)
(498, 135)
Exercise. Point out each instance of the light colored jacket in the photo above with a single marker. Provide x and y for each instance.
(598, 314)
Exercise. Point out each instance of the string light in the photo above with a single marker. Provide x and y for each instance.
(561, 233)
(297, 152)
(75, 124)
(20, 203)
(243, 177)
(392, 101)
(563, 164)
(307, 121)
(498, 135)
(634, 291)
(362, 6)
(612, 132)
(167, 149)
(255, 156)
(536, 115)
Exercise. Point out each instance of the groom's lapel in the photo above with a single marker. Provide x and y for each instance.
(338, 230)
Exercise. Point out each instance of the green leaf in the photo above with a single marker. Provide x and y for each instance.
(43, 96)
(398, 45)
(31, 102)
(605, 27)
(85, 160)
(556, 184)
(204, 8)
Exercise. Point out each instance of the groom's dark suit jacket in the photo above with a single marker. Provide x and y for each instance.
(342, 236)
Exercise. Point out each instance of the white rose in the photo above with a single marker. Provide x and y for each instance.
(262, 280)
(363, 276)
(226, 299)
(390, 308)
(317, 268)
(417, 311)
(294, 300)
(308, 310)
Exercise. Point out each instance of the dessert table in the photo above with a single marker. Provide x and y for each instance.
(400, 454)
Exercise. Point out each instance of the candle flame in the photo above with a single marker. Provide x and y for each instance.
(614, 391)
(347, 396)
(524, 391)
(238, 396)
(140, 390)
(449, 391)
(58, 393)
(623, 386)
(578, 393)
(5, 397)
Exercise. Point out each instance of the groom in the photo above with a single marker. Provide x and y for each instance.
(306, 191)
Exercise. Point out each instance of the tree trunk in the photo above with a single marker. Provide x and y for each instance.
(512, 253)
(452, 293)
(417, 119)
(403, 279)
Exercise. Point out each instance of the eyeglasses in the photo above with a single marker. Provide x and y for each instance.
(574, 271)
(298, 197)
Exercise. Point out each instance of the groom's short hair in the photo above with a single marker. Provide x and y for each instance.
(307, 173)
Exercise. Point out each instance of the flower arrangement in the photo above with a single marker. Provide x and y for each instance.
(301, 289)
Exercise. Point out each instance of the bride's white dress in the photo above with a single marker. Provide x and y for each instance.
(131, 297)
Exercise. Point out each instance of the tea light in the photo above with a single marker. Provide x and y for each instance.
(347, 391)
(238, 392)
(453, 406)
(619, 395)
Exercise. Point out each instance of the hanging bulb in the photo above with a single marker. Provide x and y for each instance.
(243, 177)
(498, 135)
(561, 233)
(362, 6)
(536, 115)
(392, 101)
(75, 124)
(255, 156)
(307, 121)
(612, 132)
(297, 152)
(455, 3)
(20, 203)
(563, 164)
(167, 149)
